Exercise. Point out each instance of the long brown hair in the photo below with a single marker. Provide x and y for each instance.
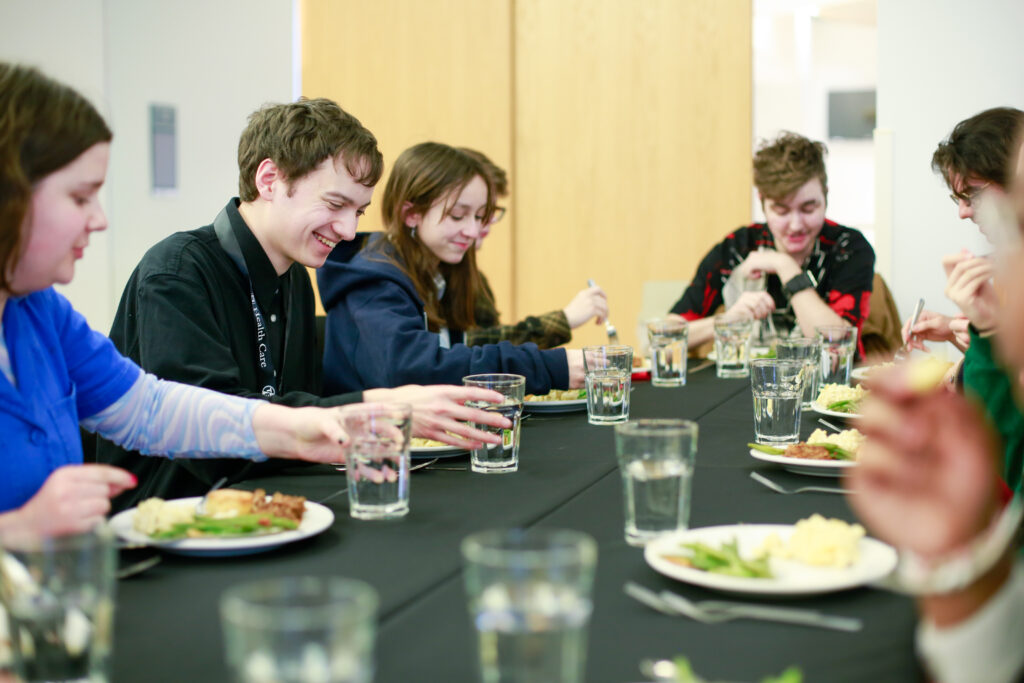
(44, 126)
(422, 176)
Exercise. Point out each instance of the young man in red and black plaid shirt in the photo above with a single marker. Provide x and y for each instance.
(818, 272)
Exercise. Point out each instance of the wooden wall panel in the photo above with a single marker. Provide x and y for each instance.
(632, 144)
(414, 71)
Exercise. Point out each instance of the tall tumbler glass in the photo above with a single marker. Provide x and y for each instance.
(656, 459)
(732, 347)
(529, 597)
(493, 458)
(58, 592)
(378, 460)
(608, 372)
(777, 387)
(300, 629)
(808, 352)
(667, 340)
(838, 347)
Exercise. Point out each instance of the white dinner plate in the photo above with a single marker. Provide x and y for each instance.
(862, 373)
(789, 577)
(818, 408)
(815, 468)
(574, 406)
(316, 519)
(432, 452)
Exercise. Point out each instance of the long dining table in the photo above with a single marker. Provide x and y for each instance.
(167, 625)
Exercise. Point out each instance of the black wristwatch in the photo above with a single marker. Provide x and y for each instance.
(799, 283)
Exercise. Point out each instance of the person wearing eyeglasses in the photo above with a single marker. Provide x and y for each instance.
(975, 161)
(547, 330)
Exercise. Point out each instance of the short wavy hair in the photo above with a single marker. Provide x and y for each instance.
(44, 126)
(981, 147)
(783, 165)
(298, 136)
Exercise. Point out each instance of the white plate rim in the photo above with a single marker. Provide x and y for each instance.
(821, 410)
(862, 372)
(877, 560)
(316, 519)
(798, 465)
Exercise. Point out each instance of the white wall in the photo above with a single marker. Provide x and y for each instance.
(214, 61)
(940, 61)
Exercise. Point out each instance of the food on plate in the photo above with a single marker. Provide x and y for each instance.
(819, 446)
(684, 674)
(817, 541)
(926, 372)
(559, 395)
(229, 512)
(841, 398)
(417, 442)
(725, 560)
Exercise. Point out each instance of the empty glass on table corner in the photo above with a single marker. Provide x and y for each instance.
(667, 339)
(777, 389)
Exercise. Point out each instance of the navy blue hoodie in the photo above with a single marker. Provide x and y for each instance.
(377, 333)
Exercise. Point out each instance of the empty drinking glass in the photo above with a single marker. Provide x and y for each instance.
(530, 600)
(503, 457)
(732, 347)
(300, 629)
(667, 344)
(777, 388)
(838, 347)
(608, 371)
(808, 352)
(377, 466)
(656, 462)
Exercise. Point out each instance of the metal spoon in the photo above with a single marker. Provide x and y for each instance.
(613, 334)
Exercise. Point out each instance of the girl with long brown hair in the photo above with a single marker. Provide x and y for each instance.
(398, 310)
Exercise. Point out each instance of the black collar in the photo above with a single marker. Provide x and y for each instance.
(265, 281)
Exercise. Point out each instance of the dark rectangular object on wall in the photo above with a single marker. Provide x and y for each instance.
(163, 147)
(851, 114)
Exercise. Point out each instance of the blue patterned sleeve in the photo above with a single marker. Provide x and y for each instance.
(156, 417)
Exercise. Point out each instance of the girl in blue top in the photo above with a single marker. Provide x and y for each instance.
(397, 310)
(55, 372)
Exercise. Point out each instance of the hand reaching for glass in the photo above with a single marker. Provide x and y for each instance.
(756, 305)
(588, 303)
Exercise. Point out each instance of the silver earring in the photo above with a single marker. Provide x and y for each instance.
(412, 231)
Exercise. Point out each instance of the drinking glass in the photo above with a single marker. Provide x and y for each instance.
(656, 460)
(493, 458)
(777, 387)
(608, 371)
(529, 597)
(838, 347)
(807, 351)
(732, 347)
(377, 467)
(668, 340)
(58, 592)
(300, 629)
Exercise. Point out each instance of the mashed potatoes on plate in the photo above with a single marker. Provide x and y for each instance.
(833, 393)
(848, 439)
(819, 542)
(155, 515)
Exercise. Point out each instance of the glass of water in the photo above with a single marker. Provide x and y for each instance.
(529, 596)
(656, 459)
(492, 458)
(377, 467)
(299, 629)
(608, 371)
(778, 389)
(808, 352)
(58, 592)
(838, 347)
(732, 347)
(668, 340)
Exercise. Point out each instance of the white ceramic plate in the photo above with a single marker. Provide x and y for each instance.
(818, 408)
(790, 577)
(316, 519)
(815, 468)
(574, 406)
(431, 452)
(862, 373)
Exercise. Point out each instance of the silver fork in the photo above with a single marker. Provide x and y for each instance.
(201, 505)
(613, 334)
(903, 352)
(776, 487)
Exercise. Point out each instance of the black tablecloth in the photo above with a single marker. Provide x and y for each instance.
(168, 627)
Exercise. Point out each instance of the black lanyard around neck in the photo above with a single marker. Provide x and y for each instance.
(264, 357)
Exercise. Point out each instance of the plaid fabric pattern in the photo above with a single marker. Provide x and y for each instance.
(546, 331)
